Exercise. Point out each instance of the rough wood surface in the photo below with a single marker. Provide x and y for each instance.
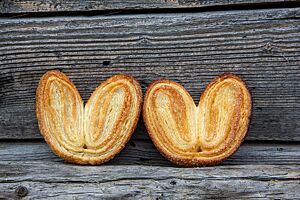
(16, 6)
(142, 152)
(63, 181)
(262, 46)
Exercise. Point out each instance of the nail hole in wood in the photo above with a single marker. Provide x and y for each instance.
(259, 108)
(173, 182)
(132, 143)
(106, 63)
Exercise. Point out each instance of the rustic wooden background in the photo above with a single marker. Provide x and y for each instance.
(190, 42)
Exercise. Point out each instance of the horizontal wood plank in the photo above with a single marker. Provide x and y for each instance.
(16, 6)
(142, 152)
(52, 180)
(262, 46)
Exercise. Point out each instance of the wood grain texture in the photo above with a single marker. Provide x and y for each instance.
(142, 152)
(62, 181)
(261, 46)
(16, 6)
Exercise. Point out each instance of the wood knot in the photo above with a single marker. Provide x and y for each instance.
(268, 48)
(21, 191)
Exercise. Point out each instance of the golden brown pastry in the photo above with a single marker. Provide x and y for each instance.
(90, 134)
(202, 135)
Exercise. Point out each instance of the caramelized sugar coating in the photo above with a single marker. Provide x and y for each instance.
(202, 135)
(90, 134)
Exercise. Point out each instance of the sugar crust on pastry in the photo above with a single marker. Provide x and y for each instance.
(90, 134)
(202, 135)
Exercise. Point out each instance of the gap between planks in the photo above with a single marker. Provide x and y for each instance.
(143, 152)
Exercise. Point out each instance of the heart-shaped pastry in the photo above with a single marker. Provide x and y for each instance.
(90, 134)
(201, 135)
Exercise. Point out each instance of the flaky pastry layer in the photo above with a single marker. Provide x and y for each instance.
(90, 134)
(202, 135)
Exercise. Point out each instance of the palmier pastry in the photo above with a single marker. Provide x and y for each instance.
(90, 134)
(202, 135)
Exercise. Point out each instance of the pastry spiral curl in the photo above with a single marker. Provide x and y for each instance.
(90, 134)
(202, 135)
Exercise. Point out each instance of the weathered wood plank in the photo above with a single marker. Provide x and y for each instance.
(142, 152)
(60, 181)
(16, 6)
(262, 46)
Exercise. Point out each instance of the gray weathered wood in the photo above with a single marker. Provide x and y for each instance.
(143, 152)
(262, 46)
(63, 181)
(16, 6)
